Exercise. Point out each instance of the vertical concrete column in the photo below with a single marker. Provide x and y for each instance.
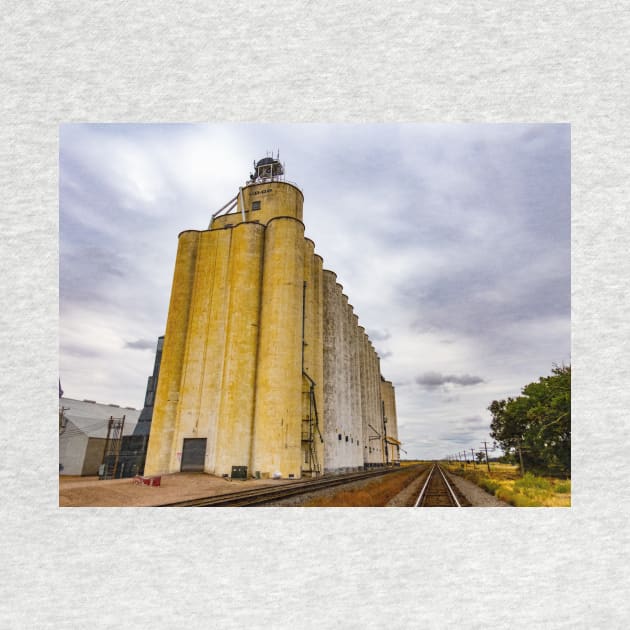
(317, 357)
(220, 242)
(378, 407)
(393, 412)
(192, 381)
(372, 443)
(344, 378)
(330, 352)
(278, 408)
(385, 408)
(374, 408)
(313, 350)
(236, 407)
(362, 340)
(309, 307)
(350, 385)
(387, 394)
(167, 395)
(357, 430)
(307, 349)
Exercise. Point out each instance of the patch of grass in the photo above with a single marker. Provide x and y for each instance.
(490, 485)
(563, 487)
(376, 493)
(529, 483)
(527, 491)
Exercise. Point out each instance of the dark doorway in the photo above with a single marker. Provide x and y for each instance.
(193, 454)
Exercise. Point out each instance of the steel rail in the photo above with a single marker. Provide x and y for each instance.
(259, 496)
(450, 492)
(450, 489)
(424, 487)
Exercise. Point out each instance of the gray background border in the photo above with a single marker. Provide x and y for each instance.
(289, 62)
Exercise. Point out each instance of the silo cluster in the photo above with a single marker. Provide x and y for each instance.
(265, 370)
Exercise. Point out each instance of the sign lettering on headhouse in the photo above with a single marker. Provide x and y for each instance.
(260, 192)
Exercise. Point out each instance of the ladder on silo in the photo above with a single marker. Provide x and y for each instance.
(310, 428)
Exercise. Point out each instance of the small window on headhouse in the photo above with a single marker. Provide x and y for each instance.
(255, 205)
(340, 436)
(346, 438)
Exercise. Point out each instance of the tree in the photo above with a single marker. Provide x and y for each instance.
(538, 423)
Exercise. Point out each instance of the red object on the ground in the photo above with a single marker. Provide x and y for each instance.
(147, 481)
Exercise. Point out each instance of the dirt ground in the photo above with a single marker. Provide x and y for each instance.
(92, 492)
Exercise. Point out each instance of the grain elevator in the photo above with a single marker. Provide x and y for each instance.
(265, 370)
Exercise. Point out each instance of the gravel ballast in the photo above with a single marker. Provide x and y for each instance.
(476, 495)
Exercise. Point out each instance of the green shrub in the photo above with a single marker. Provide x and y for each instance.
(489, 485)
(505, 495)
(563, 487)
(520, 500)
(530, 484)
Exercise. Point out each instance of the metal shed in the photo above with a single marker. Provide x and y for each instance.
(83, 433)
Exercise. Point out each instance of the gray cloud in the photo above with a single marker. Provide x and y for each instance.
(378, 335)
(473, 420)
(75, 350)
(431, 380)
(460, 438)
(141, 344)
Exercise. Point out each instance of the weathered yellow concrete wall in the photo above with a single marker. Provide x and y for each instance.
(190, 422)
(278, 409)
(236, 409)
(277, 199)
(217, 285)
(167, 394)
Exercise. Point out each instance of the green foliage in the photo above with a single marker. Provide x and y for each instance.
(530, 482)
(489, 485)
(521, 500)
(538, 423)
(563, 487)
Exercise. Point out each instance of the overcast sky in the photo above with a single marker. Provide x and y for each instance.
(451, 241)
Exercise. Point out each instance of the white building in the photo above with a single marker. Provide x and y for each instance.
(83, 433)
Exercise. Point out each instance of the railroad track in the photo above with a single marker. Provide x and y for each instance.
(262, 496)
(437, 491)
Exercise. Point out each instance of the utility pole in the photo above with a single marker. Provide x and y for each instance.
(472, 456)
(485, 445)
(62, 419)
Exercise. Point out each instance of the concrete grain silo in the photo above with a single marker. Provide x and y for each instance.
(265, 369)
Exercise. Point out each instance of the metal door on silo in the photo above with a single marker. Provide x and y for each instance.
(193, 454)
